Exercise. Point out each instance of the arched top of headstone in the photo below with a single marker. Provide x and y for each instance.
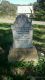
(23, 17)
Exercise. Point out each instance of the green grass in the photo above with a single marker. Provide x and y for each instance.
(39, 37)
(37, 71)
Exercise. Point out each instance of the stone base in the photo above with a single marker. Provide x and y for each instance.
(23, 54)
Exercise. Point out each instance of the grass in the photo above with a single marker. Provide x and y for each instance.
(31, 71)
(15, 71)
(39, 37)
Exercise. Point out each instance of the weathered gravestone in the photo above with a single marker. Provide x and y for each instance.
(22, 40)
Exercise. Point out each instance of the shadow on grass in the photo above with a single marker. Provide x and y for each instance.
(5, 44)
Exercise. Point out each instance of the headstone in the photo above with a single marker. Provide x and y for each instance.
(22, 32)
(22, 40)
